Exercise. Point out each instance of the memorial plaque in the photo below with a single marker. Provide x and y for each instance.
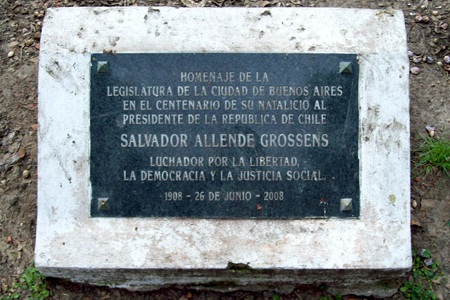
(227, 135)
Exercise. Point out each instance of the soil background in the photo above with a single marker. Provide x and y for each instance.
(20, 24)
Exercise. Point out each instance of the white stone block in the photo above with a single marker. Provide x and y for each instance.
(146, 253)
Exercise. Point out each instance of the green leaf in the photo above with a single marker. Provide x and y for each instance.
(426, 253)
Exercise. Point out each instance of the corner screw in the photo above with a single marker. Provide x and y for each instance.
(103, 203)
(346, 204)
(345, 67)
(102, 67)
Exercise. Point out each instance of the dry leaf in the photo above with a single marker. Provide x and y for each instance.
(21, 153)
(415, 221)
(263, 3)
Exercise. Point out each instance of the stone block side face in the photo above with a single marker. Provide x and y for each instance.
(385, 151)
(70, 244)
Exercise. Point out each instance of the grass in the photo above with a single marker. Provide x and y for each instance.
(434, 156)
(32, 283)
(424, 271)
(35, 283)
(323, 287)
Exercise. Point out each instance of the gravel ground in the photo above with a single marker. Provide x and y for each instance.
(20, 25)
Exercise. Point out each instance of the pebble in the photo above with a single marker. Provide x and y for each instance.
(429, 60)
(8, 161)
(26, 174)
(415, 70)
(13, 147)
(435, 13)
(431, 130)
(410, 53)
(10, 53)
(416, 59)
(446, 59)
(414, 203)
(15, 173)
(444, 26)
(422, 19)
(9, 137)
(13, 44)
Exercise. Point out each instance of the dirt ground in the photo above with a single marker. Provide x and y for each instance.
(20, 24)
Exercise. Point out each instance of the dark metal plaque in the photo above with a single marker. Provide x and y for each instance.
(224, 135)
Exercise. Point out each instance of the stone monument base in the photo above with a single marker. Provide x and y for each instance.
(150, 253)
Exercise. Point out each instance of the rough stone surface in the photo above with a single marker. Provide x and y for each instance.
(384, 290)
(140, 253)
